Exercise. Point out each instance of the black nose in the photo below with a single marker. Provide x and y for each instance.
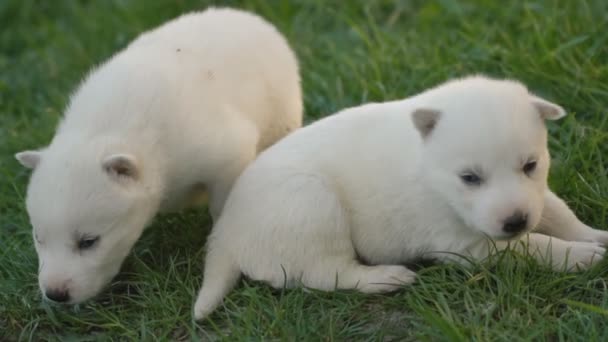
(59, 296)
(515, 223)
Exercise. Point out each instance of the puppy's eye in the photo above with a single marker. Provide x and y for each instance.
(87, 242)
(471, 179)
(529, 167)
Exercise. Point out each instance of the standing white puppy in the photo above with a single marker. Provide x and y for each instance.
(179, 113)
(434, 175)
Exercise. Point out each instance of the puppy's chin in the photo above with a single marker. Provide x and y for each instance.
(499, 235)
(87, 291)
(508, 237)
(80, 298)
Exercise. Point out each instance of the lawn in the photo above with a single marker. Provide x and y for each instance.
(350, 52)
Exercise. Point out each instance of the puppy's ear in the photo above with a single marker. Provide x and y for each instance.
(425, 120)
(29, 159)
(121, 167)
(546, 109)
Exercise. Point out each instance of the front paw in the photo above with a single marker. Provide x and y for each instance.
(600, 236)
(386, 278)
(595, 235)
(577, 256)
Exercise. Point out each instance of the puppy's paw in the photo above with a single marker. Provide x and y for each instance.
(200, 311)
(204, 306)
(599, 236)
(578, 256)
(386, 278)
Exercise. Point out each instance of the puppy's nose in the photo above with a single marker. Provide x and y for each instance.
(515, 223)
(59, 296)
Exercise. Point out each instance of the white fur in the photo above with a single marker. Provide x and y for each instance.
(381, 183)
(179, 113)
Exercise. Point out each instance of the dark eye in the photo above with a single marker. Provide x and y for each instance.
(87, 242)
(470, 178)
(529, 167)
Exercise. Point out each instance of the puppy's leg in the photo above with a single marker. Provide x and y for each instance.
(349, 275)
(559, 254)
(559, 221)
(312, 242)
(220, 276)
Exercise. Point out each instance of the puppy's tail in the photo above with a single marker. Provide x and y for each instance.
(221, 274)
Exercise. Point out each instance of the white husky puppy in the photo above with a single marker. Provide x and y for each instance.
(176, 115)
(434, 175)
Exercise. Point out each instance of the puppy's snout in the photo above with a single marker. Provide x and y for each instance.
(57, 295)
(515, 223)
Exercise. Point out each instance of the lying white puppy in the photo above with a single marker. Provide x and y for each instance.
(433, 175)
(179, 113)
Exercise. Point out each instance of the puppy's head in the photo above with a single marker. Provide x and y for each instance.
(86, 215)
(485, 152)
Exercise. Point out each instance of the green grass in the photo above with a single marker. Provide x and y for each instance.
(351, 52)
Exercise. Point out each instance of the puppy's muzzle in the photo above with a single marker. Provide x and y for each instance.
(57, 295)
(515, 223)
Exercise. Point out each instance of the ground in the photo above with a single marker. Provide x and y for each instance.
(351, 52)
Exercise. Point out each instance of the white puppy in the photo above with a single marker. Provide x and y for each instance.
(434, 175)
(179, 113)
